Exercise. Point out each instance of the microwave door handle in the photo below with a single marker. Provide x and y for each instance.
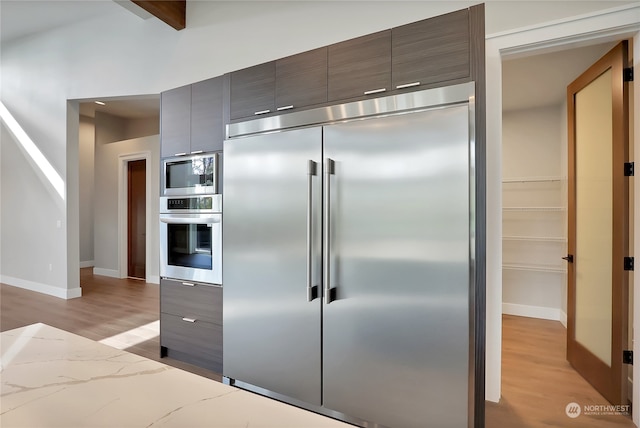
(312, 290)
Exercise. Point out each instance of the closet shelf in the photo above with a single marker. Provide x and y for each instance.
(534, 238)
(534, 267)
(533, 180)
(533, 209)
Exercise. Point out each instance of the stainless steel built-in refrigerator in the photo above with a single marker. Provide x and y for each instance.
(348, 259)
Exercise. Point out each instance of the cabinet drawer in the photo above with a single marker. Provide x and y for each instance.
(200, 340)
(431, 51)
(200, 302)
(359, 66)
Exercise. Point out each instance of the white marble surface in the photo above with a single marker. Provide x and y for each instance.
(52, 378)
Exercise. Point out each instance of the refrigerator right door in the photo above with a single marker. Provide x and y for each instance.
(396, 335)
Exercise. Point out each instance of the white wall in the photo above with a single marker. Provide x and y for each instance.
(118, 54)
(107, 183)
(115, 137)
(532, 147)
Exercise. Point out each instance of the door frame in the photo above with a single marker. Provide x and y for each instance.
(123, 161)
(592, 28)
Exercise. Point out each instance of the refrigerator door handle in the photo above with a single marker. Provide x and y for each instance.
(329, 170)
(312, 290)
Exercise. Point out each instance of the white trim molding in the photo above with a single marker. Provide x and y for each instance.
(123, 160)
(112, 273)
(62, 293)
(603, 26)
(530, 311)
(87, 263)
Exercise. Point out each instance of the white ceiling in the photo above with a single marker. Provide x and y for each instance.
(542, 80)
(19, 18)
(527, 82)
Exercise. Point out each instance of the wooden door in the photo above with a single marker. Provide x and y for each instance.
(136, 213)
(598, 209)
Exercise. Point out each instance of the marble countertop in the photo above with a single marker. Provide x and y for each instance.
(52, 378)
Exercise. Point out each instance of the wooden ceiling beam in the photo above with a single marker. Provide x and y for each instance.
(172, 12)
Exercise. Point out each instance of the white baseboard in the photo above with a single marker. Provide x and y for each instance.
(563, 318)
(62, 293)
(86, 264)
(113, 273)
(153, 279)
(530, 311)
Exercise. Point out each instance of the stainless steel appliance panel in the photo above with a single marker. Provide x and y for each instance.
(271, 320)
(191, 247)
(396, 331)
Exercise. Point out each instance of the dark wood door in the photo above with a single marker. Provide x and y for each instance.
(207, 127)
(175, 121)
(598, 211)
(136, 221)
(253, 91)
(434, 50)
(360, 66)
(301, 80)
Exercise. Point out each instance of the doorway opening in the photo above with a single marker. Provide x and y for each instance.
(535, 230)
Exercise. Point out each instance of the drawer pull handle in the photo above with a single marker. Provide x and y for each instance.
(375, 91)
(189, 284)
(181, 154)
(189, 319)
(262, 112)
(195, 152)
(285, 108)
(408, 85)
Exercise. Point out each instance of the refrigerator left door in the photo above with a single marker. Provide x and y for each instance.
(272, 324)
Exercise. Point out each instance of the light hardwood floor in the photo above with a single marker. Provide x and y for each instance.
(537, 381)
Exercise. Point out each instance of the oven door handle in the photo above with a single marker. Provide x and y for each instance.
(190, 220)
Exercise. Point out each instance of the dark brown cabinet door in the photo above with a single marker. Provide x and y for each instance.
(253, 91)
(207, 127)
(301, 80)
(431, 51)
(360, 66)
(175, 121)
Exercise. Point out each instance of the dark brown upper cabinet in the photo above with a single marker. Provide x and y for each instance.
(434, 50)
(360, 66)
(253, 91)
(175, 121)
(191, 118)
(301, 80)
(207, 124)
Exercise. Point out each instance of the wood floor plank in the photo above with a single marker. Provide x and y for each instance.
(537, 381)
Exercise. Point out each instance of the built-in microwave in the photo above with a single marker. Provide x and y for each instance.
(190, 175)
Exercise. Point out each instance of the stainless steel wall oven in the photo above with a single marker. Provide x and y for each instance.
(191, 238)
